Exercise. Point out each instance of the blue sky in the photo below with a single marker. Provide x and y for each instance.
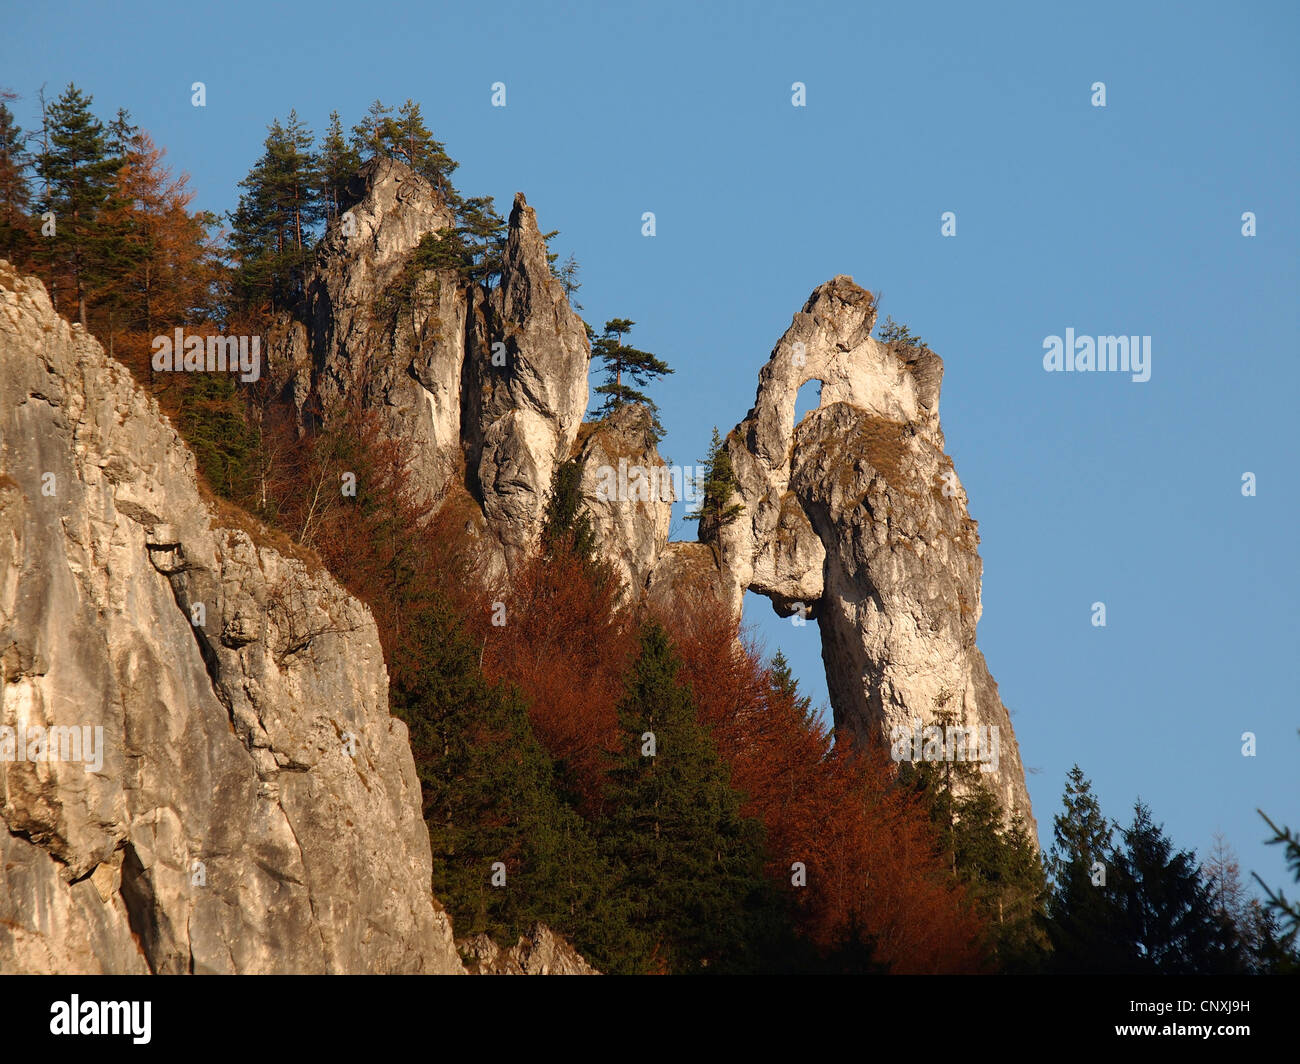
(1123, 219)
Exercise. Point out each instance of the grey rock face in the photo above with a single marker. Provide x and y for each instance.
(856, 517)
(254, 808)
(485, 387)
(521, 419)
(539, 952)
(627, 494)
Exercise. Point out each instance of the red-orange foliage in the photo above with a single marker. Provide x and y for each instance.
(871, 856)
(567, 644)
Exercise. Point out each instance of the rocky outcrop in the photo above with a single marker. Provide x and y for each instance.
(228, 792)
(856, 517)
(539, 952)
(485, 387)
(526, 387)
(629, 493)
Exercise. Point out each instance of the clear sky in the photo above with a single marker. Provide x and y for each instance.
(1117, 220)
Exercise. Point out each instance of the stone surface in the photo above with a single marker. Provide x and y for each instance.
(856, 517)
(486, 387)
(539, 952)
(257, 808)
(627, 494)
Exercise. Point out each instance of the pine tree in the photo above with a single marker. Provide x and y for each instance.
(716, 510)
(689, 863)
(375, 132)
(277, 216)
(482, 232)
(1166, 922)
(17, 233)
(490, 802)
(567, 524)
(414, 144)
(407, 138)
(567, 275)
(640, 367)
(339, 162)
(78, 172)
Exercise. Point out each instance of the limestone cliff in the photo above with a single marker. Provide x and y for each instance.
(250, 805)
(485, 385)
(255, 807)
(854, 517)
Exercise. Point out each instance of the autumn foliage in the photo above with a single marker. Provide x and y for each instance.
(567, 645)
(872, 862)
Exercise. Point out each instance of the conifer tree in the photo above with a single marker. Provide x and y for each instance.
(716, 510)
(375, 132)
(507, 851)
(119, 241)
(339, 161)
(1082, 913)
(1166, 919)
(78, 174)
(640, 367)
(17, 233)
(690, 865)
(567, 524)
(277, 216)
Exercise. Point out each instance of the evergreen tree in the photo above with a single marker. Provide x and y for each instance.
(414, 144)
(277, 216)
(213, 419)
(119, 242)
(900, 336)
(567, 524)
(786, 688)
(339, 162)
(375, 132)
(567, 275)
(407, 138)
(689, 864)
(1082, 913)
(640, 367)
(716, 510)
(997, 862)
(482, 232)
(1166, 920)
(1278, 923)
(489, 797)
(78, 173)
(17, 233)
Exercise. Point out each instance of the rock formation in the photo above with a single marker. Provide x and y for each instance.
(854, 517)
(539, 952)
(486, 386)
(254, 807)
(257, 807)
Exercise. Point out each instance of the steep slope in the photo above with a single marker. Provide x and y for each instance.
(254, 808)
